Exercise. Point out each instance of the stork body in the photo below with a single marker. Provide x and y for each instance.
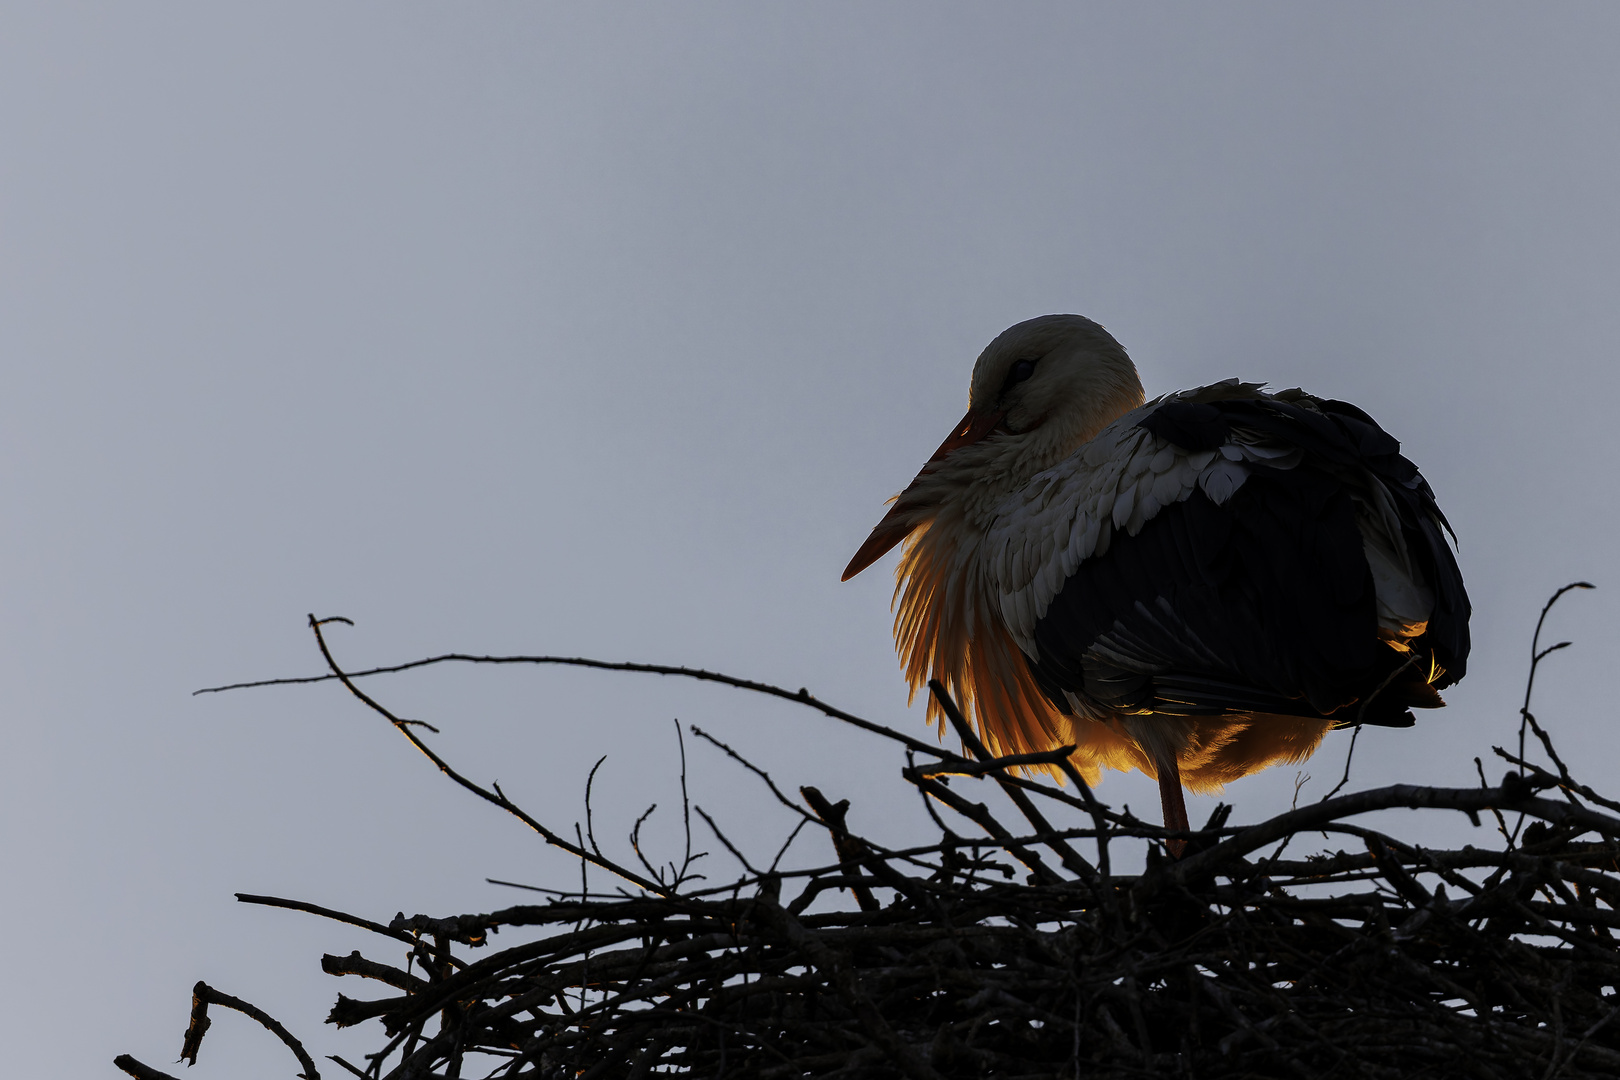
(1197, 587)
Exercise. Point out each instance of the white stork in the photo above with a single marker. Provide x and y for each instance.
(1197, 587)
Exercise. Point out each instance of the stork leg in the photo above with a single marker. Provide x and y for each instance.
(1174, 805)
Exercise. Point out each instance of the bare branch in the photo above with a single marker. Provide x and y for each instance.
(138, 1070)
(203, 995)
(800, 696)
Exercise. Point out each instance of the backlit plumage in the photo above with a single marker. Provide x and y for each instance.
(1196, 587)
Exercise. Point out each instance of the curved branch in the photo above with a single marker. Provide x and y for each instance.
(203, 995)
(800, 696)
(1396, 796)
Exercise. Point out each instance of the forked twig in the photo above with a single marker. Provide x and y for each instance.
(495, 796)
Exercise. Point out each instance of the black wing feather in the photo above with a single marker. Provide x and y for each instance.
(1266, 602)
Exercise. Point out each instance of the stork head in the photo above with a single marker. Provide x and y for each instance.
(1039, 391)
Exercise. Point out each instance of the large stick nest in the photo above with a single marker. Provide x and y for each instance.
(1017, 951)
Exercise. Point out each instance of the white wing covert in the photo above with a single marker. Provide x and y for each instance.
(1119, 480)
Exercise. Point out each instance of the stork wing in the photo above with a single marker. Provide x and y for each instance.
(1226, 550)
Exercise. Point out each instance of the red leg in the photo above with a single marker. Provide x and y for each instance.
(1174, 805)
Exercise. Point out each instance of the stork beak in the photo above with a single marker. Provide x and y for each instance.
(893, 528)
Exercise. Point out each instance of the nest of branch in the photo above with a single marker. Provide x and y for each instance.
(1011, 948)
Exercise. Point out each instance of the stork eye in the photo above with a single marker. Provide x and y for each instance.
(1020, 371)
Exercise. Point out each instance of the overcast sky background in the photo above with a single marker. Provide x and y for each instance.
(608, 330)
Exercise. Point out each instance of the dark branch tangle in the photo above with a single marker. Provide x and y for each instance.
(1010, 947)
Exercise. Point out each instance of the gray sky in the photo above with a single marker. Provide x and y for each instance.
(608, 330)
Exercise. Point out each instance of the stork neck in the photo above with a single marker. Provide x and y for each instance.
(1012, 461)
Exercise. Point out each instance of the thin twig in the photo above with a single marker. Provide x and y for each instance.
(590, 831)
(1349, 756)
(800, 696)
(738, 855)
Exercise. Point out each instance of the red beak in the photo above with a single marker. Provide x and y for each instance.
(891, 530)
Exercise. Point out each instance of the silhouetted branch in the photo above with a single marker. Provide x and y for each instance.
(325, 913)
(850, 850)
(140, 1071)
(203, 995)
(997, 768)
(800, 696)
(1537, 655)
(1349, 756)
